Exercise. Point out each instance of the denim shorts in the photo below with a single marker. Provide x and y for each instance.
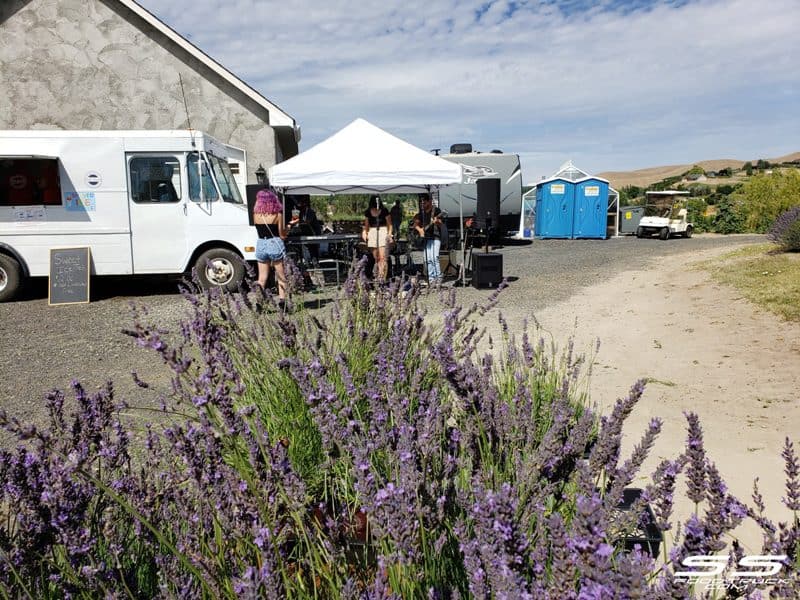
(268, 249)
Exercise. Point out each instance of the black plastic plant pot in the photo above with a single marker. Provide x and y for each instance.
(645, 534)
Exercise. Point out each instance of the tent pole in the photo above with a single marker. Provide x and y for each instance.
(463, 240)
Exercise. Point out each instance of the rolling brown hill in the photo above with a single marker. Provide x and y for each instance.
(644, 177)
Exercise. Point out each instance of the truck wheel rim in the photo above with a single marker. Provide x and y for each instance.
(3, 279)
(219, 271)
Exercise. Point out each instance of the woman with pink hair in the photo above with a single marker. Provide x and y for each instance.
(270, 249)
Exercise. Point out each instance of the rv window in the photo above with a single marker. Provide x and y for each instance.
(209, 191)
(155, 179)
(29, 181)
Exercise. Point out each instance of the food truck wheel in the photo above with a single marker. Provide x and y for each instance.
(220, 267)
(664, 233)
(10, 277)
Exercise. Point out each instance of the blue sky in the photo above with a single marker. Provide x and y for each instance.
(611, 85)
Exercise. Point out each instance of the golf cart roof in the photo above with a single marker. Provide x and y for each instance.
(667, 193)
(655, 202)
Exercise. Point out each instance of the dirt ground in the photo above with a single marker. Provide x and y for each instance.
(705, 349)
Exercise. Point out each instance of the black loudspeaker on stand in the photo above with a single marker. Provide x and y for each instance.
(487, 269)
(487, 215)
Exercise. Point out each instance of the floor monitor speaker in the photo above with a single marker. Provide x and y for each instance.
(487, 269)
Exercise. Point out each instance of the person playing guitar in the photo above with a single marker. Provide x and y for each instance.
(428, 224)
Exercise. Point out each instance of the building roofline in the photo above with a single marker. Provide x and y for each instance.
(277, 117)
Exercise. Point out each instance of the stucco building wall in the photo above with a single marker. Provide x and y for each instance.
(93, 64)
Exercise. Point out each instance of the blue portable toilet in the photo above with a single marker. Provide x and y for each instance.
(591, 208)
(555, 206)
(573, 204)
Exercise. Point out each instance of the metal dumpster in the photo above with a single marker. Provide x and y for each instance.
(629, 217)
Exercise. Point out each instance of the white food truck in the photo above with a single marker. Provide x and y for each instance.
(143, 202)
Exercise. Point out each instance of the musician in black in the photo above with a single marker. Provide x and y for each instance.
(428, 224)
(377, 233)
(305, 222)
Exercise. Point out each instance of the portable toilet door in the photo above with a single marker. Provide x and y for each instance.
(591, 208)
(554, 213)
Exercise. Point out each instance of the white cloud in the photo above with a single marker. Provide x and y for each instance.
(620, 89)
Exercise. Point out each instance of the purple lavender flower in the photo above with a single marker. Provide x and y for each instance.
(623, 476)
(661, 494)
(493, 546)
(696, 468)
(606, 453)
(792, 470)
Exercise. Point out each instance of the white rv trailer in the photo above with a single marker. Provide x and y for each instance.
(135, 198)
(485, 165)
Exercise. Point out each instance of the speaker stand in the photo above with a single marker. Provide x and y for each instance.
(450, 267)
(462, 272)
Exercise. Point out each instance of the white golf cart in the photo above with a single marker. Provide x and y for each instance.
(664, 215)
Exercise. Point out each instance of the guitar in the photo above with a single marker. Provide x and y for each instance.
(417, 240)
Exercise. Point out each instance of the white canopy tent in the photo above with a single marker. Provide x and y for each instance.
(362, 159)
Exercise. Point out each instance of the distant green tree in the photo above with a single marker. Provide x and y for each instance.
(726, 172)
(748, 168)
(665, 184)
(696, 214)
(764, 197)
(628, 194)
(350, 207)
(696, 170)
(762, 164)
(726, 189)
(729, 218)
(699, 190)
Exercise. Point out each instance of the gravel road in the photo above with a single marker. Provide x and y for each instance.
(44, 347)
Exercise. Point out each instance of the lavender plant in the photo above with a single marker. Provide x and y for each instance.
(785, 230)
(372, 450)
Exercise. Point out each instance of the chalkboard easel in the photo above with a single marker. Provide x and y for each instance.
(70, 269)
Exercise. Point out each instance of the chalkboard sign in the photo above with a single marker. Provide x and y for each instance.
(69, 276)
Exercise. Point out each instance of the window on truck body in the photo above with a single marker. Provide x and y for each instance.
(29, 182)
(155, 179)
